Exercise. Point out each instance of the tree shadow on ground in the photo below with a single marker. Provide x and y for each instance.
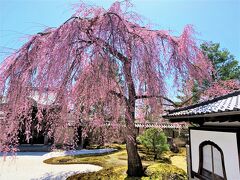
(56, 176)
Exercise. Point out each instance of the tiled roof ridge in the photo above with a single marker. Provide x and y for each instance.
(235, 93)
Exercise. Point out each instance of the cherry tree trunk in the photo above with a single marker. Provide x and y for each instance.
(134, 162)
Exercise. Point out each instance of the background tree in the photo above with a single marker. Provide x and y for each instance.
(225, 65)
(78, 61)
(155, 140)
(225, 77)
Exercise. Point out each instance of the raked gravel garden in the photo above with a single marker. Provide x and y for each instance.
(30, 165)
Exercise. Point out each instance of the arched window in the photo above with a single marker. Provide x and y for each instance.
(211, 161)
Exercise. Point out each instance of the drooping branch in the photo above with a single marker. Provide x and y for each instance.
(95, 53)
(113, 51)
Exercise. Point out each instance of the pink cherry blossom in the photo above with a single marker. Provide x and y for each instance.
(93, 68)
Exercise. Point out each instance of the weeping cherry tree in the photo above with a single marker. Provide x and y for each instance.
(97, 56)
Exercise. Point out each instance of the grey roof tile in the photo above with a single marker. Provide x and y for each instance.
(226, 103)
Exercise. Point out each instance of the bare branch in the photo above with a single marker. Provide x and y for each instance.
(119, 95)
(157, 96)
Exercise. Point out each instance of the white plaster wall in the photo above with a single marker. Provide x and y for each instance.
(227, 141)
(44, 99)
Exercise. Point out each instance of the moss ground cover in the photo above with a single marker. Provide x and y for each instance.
(115, 165)
(178, 159)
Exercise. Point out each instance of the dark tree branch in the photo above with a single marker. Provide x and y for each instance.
(169, 100)
(119, 95)
(156, 96)
(113, 51)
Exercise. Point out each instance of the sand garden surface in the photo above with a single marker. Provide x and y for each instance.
(29, 165)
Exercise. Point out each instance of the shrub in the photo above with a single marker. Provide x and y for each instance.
(111, 173)
(165, 172)
(155, 140)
